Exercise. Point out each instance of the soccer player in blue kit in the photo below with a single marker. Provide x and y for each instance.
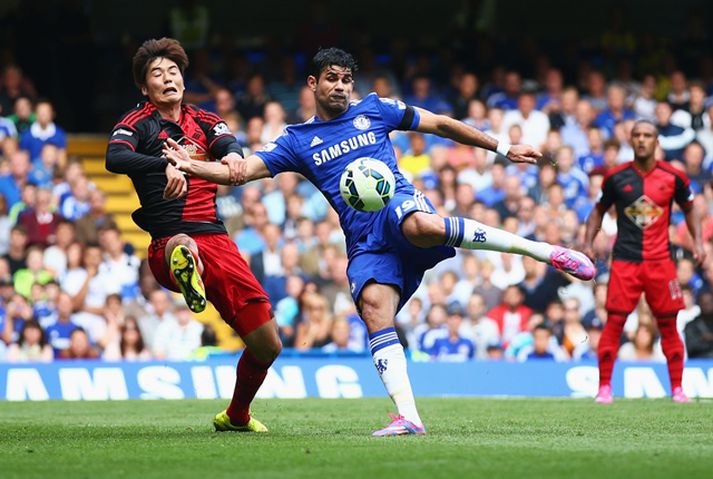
(389, 250)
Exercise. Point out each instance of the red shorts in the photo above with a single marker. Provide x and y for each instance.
(657, 279)
(229, 283)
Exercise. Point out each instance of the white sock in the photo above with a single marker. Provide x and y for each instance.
(469, 234)
(390, 363)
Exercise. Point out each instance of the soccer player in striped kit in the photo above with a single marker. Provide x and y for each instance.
(643, 191)
(190, 250)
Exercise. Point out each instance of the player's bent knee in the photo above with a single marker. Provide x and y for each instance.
(180, 238)
(269, 351)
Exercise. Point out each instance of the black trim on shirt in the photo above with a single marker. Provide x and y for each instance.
(407, 119)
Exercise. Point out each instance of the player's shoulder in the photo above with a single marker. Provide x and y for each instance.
(619, 169)
(386, 101)
(136, 115)
(669, 168)
(200, 114)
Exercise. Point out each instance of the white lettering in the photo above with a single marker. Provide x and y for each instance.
(25, 384)
(583, 381)
(105, 383)
(695, 383)
(344, 147)
(334, 151)
(290, 385)
(642, 382)
(338, 381)
(159, 382)
(203, 383)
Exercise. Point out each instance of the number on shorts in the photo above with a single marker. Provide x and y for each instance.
(675, 289)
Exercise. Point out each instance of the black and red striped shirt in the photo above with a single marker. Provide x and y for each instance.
(643, 207)
(135, 149)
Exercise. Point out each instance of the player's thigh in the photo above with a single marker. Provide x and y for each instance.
(663, 292)
(229, 283)
(625, 287)
(381, 268)
(159, 266)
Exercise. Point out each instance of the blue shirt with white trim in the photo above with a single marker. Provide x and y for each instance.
(321, 150)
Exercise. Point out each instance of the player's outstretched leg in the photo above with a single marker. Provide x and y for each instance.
(673, 350)
(263, 347)
(186, 268)
(607, 352)
(378, 303)
(427, 230)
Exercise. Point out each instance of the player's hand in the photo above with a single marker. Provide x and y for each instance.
(237, 167)
(523, 154)
(699, 253)
(177, 185)
(177, 155)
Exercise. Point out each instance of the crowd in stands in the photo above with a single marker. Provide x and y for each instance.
(70, 287)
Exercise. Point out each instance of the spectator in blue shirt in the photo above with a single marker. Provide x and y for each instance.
(12, 183)
(574, 181)
(575, 134)
(672, 138)
(495, 192)
(43, 131)
(58, 334)
(541, 335)
(423, 96)
(507, 99)
(550, 101)
(453, 347)
(615, 112)
(595, 157)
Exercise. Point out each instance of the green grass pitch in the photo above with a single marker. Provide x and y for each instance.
(483, 438)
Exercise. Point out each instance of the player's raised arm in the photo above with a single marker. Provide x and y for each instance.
(455, 130)
(232, 170)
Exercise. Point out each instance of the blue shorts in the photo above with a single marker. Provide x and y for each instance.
(385, 256)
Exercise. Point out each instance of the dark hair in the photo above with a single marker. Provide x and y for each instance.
(542, 327)
(327, 57)
(611, 143)
(644, 121)
(140, 346)
(32, 323)
(152, 49)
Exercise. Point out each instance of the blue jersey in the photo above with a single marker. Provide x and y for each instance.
(58, 336)
(446, 349)
(321, 150)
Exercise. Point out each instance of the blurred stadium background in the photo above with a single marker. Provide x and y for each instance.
(580, 77)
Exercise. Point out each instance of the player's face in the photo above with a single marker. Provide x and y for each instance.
(644, 140)
(164, 82)
(333, 88)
